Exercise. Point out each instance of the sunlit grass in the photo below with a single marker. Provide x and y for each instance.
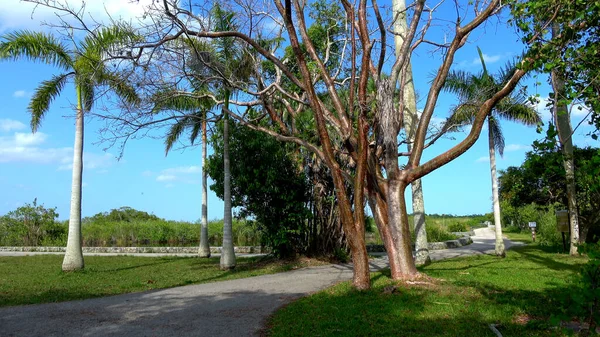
(461, 297)
(39, 279)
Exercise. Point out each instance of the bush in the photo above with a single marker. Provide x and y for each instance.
(437, 233)
(31, 225)
(544, 217)
(457, 226)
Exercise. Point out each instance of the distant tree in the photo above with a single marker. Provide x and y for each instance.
(473, 91)
(126, 214)
(85, 64)
(30, 225)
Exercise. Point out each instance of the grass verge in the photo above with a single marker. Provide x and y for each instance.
(459, 297)
(39, 279)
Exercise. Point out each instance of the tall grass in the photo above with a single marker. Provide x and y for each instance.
(161, 232)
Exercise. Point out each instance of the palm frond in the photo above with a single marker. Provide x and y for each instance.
(197, 127)
(174, 100)
(459, 83)
(481, 58)
(119, 85)
(517, 110)
(497, 136)
(43, 96)
(35, 46)
(462, 115)
(174, 133)
(113, 40)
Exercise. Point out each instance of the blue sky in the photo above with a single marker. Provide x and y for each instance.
(38, 165)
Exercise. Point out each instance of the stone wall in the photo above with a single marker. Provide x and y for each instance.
(133, 250)
(463, 241)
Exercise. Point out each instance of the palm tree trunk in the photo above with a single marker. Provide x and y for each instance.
(227, 252)
(410, 125)
(497, 223)
(564, 129)
(73, 259)
(204, 250)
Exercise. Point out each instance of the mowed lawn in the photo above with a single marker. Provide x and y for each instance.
(458, 297)
(39, 279)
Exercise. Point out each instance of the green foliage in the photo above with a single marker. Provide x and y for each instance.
(161, 232)
(543, 216)
(572, 53)
(124, 213)
(541, 180)
(457, 227)
(438, 233)
(265, 184)
(32, 225)
(587, 301)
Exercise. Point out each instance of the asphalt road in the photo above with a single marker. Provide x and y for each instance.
(228, 308)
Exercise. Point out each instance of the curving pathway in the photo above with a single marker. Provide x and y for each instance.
(228, 308)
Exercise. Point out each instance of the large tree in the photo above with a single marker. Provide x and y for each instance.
(358, 133)
(573, 64)
(473, 91)
(85, 65)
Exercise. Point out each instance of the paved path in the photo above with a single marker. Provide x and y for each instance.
(229, 308)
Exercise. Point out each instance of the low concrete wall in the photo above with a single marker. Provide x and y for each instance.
(132, 250)
(463, 241)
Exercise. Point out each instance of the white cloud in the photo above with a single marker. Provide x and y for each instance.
(488, 59)
(516, 147)
(7, 125)
(166, 177)
(29, 139)
(15, 14)
(183, 169)
(20, 93)
(29, 148)
(185, 174)
(543, 107)
(484, 159)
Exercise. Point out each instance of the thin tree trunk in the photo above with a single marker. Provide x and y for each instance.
(227, 252)
(563, 126)
(497, 223)
(204, 250)
(73, 259)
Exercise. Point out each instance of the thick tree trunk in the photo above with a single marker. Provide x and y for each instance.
(380, 215)
(399, 231)
(497, 221)
(204, 249)
(563, 126)
(227, 252)
(410, 126)
(73, 259)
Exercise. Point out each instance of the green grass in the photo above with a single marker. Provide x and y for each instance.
(463, 296)
(521, 237)
(39, 279)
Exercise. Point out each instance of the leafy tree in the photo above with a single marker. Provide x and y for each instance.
(126, 214)
(473, 91)
(540, 180)
(85, 65)
(266, 185)
(567, 48)
(31, 225)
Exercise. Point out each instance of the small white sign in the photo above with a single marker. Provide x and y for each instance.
(532, 225)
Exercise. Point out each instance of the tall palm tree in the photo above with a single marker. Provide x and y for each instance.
(196, 123)
(233, 65)
(472, 91)
(84, 64)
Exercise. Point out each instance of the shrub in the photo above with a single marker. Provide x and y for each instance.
(457, 226)
(31, 225)
(437, 233)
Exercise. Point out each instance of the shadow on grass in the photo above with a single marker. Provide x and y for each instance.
(532, 254)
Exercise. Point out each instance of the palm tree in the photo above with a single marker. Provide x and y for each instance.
(472, 91)
(196, 122)
(233, 62)
(85, 66)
